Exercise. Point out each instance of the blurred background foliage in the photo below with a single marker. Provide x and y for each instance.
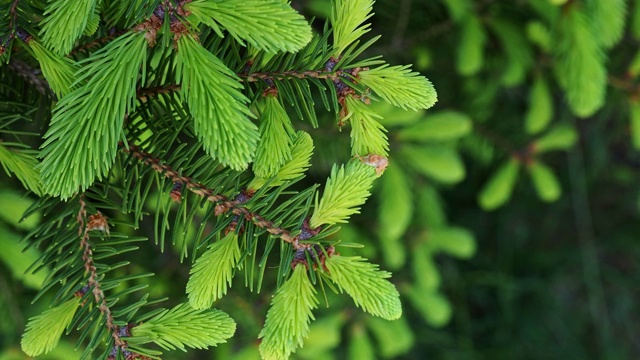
(508, 215)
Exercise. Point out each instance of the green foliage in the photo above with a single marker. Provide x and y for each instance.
(439, 126)
(59, 71)
(470, 55)
(393, 337)
(220, 116)
(44, 331)
(347, 188)
(561, 137)
(213, 271)
(498, 189)
(366, 284)
(21, 163)
(301, 152)
(287, 322)
(608, 19)
(64, 23)
(276, 138)
(184, 326)
(540, 110)
(457, 242)
(578, 53)
(348, 21)
(367, 135)
(270, 26)
(634, 115)
(400, 86)
(519, 56)
(360, 346)
(395, 208)
(440, 162)
(185, 150)
(82, 139)
(18, 260)
(545, 181)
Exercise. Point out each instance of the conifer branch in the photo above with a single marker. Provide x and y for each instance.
(90, 268)
(201, 190)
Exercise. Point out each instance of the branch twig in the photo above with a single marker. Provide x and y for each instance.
(201, 190)
(90, 268)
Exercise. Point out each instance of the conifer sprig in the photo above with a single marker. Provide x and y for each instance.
(268, 25)
(287, 322)
(183, 326)
(22, 163)
(301, 151)
(347, 188)
(64, 22)
(366, 284)
(347, 20)
(59, 71)
(400, 86)
(276, 138)
(367, 134)
(43, 331)
(220, 114)
(578, 53)
(212, 273)
(82, 139)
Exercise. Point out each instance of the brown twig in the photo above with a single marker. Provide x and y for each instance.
(32, 75)
(112, 34)
(90, 268)
(225, 205)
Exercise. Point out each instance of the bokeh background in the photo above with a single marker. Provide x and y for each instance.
(510, 224)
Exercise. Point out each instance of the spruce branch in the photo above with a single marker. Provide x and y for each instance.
(202, 191)
(276, 137)
(59, 71)
(347, 188)
(22, 163)
(301, 152)
(400, 86)
(367, 134)
(95, 223)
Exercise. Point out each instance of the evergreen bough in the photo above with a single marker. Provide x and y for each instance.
(194, 99)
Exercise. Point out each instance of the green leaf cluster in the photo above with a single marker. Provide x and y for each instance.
(366, 284)
(43, 332)
(346, 190)
(82, 139)
(212, 273)
(267, 25)
(183, 326)
(221, 118)
(287, 322)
